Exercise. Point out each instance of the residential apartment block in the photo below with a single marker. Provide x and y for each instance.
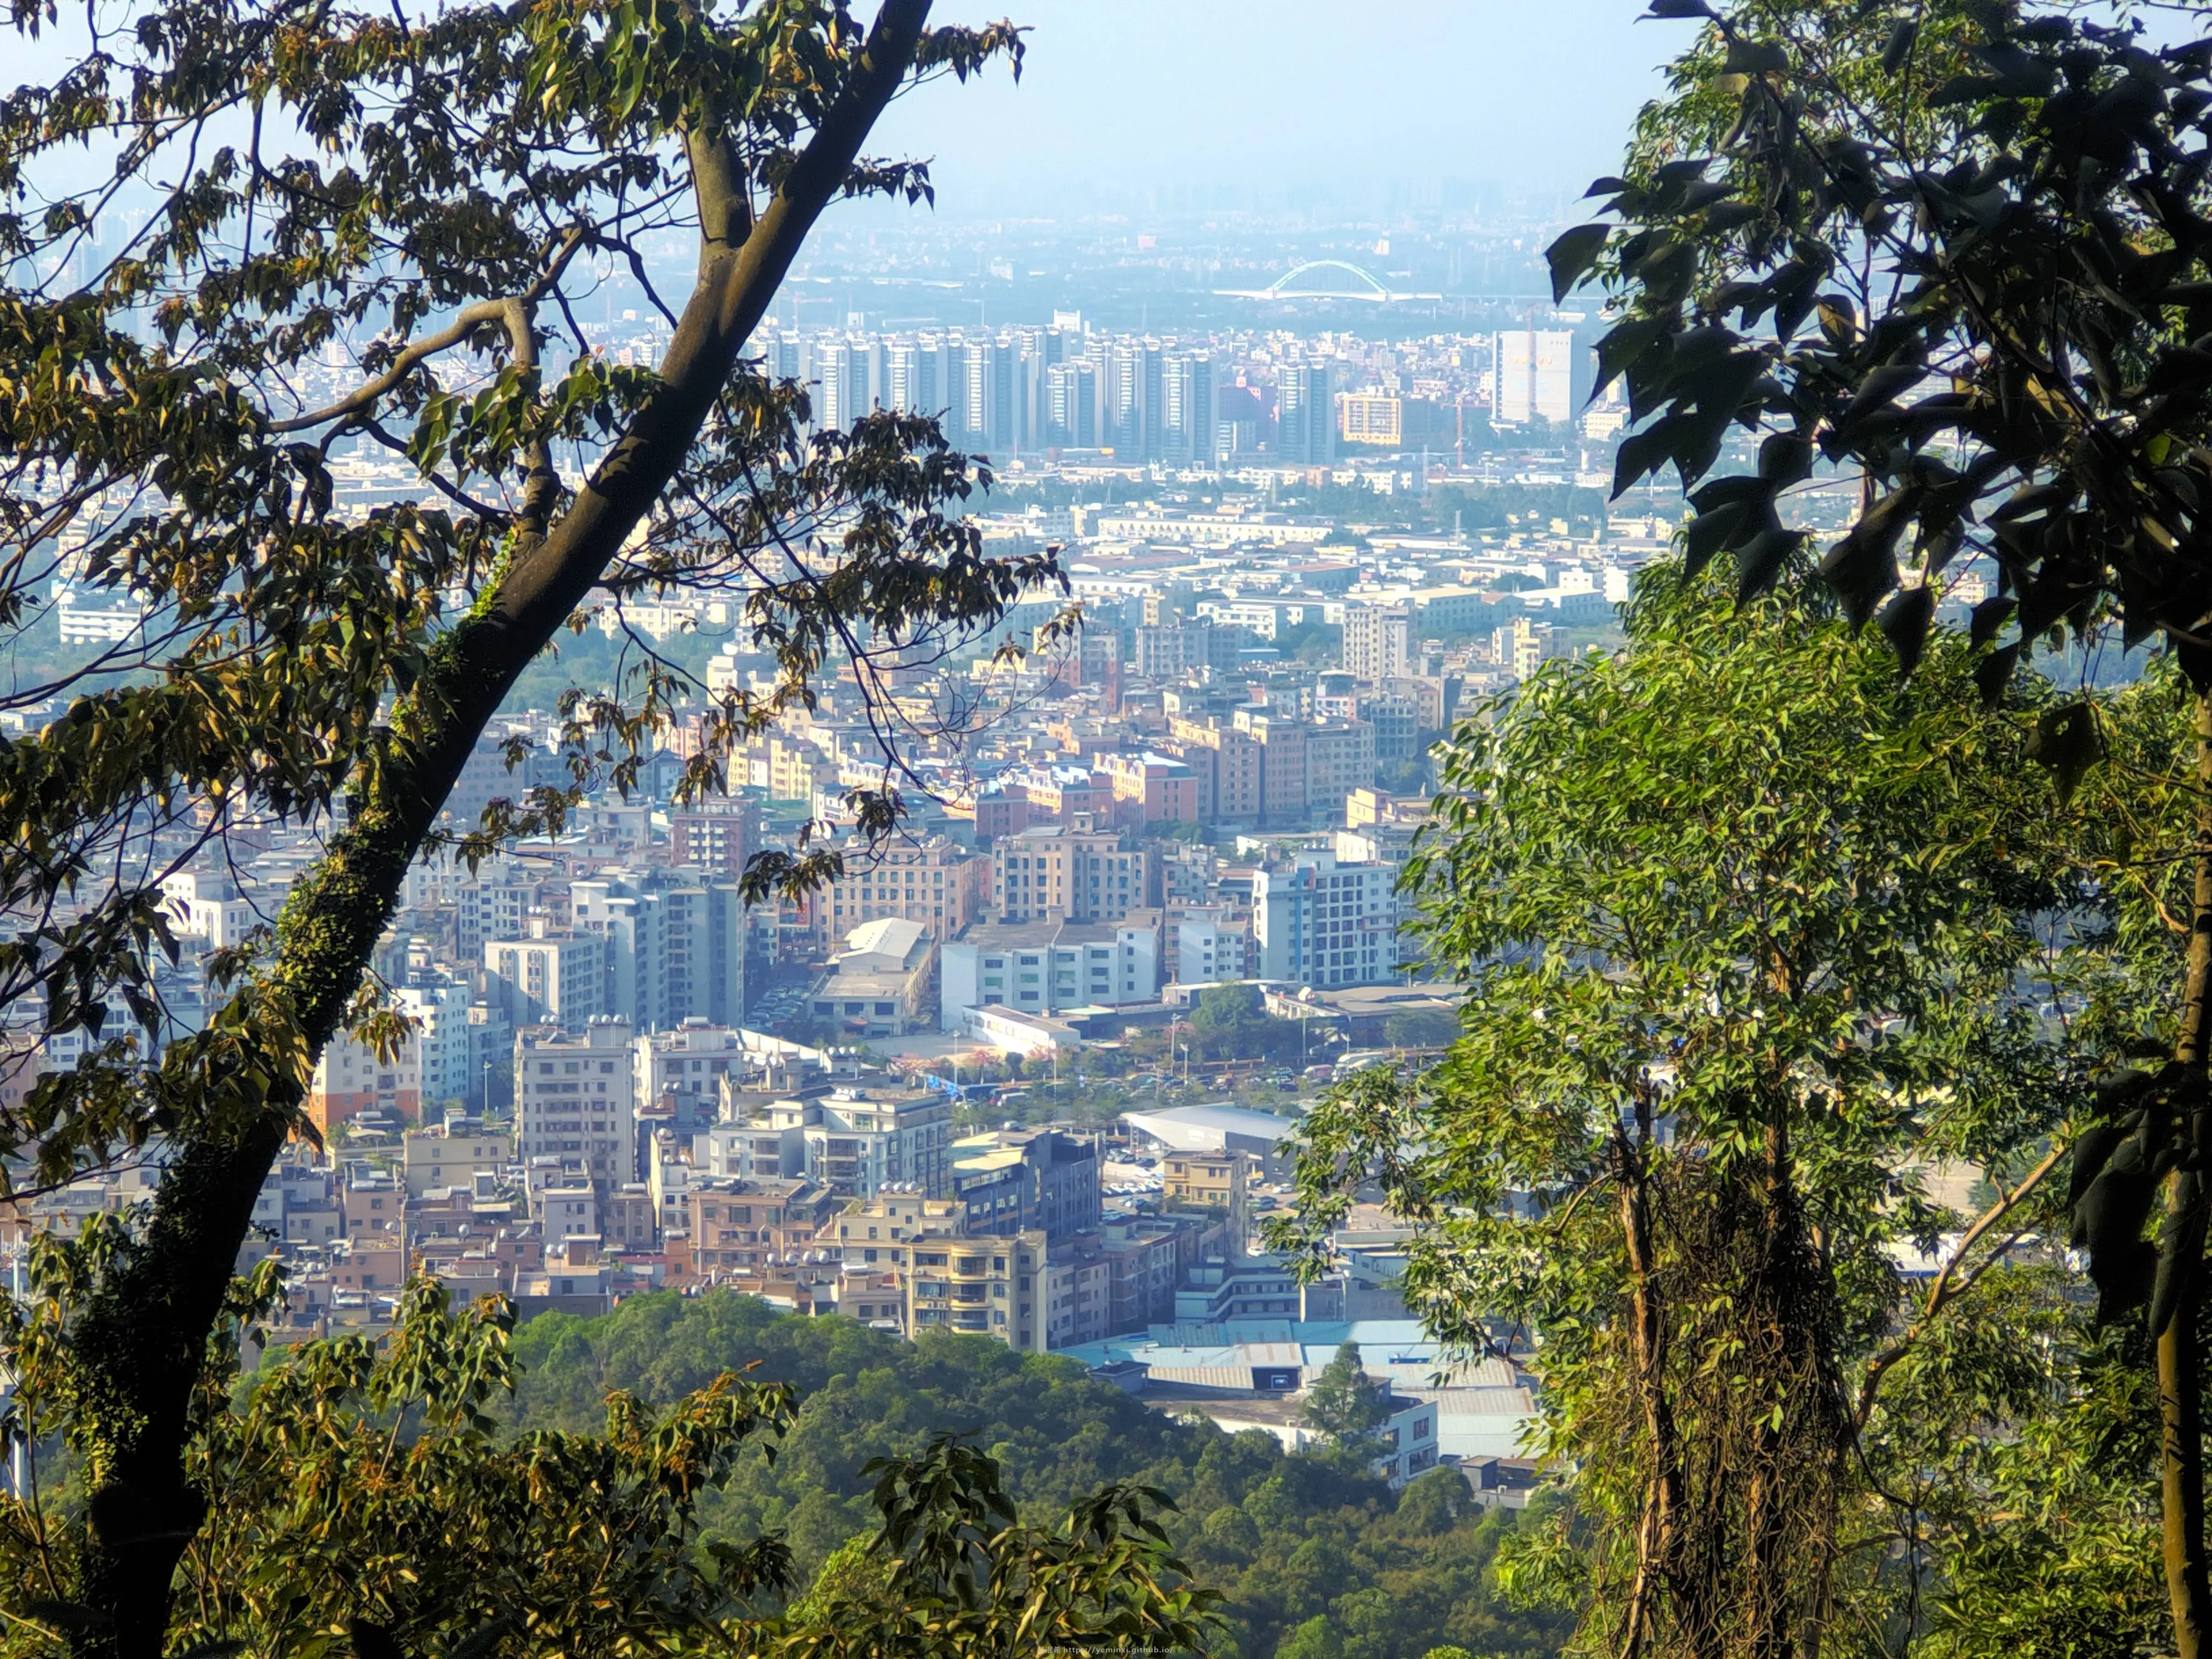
(1048, 966)
(575, 1098)
(858, 1144)
(1014, 1181)
(351, 1077)
(1324, 923)
(987, 1287)
(938, 885)
(1076, 873)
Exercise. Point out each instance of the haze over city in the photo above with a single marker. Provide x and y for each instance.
(1293, 893)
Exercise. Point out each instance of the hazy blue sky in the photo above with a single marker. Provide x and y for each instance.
(1273, 92)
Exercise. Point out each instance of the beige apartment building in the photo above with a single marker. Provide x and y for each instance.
(1210, 1180)
(575, 1099)
(1150, 789)
(981, 1286)
(1225, 764)
(1283, 794)
(1031, 1294)
(431, 1160)
(739, 1226)
(939, 885)
(1339, 759)
(1077, 873)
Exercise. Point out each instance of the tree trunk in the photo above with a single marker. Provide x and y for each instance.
(142, 1334)
(1775, 1321)
(2180, 1360)
(1659, 1543)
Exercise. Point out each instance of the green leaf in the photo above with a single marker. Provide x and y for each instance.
(1754, 57)
(1897, 50)
(1640, 453)
(1761, 561)
(1573, 255)
(1904, 622)
(2068, 740)
(1993, 673)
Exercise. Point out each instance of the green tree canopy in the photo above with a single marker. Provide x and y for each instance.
(1282, 1537)
(423, 197)
(1744, 957)
(1231, 1022)
(363, 1500)
(1343, 1403)
(1430, 1028)
(1959, 250)
(1228, 1007)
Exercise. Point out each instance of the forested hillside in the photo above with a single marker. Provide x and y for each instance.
(1305, 1554)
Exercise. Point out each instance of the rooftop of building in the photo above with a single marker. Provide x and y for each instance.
(1047, 931)
(1201, 1128)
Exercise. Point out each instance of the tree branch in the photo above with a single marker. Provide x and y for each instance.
(466, 322)
(1947, 1286)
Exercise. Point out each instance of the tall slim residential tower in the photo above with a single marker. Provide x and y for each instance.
(1152, 438)
(903, 379)
(1009, 403)
(1305, 413)
(1125, 400)
(955, 400)
(1377, 641)
(779, 357)
(1188, 409)
(1532, 376)
(842, 374)
(1071, 405)
(993, 386)
(932, 375)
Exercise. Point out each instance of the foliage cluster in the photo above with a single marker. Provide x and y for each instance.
(1757, 935)
(1231, 1022)
(364, 1501)
(1282, 1540)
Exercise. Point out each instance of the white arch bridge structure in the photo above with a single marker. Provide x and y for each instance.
(1326, 279)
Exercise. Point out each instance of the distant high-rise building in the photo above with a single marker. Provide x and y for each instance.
(953, 398)
(1188, 411)
(1152, 430)
(1305, 415)
(1204, 405)
(903, 380)
(933, 376)
(1377, 641)
(1125, 401)
(1007, 403)
(1071, 405)
(1532, 376)
(974, 403)
(995, 386)
(843, 378)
